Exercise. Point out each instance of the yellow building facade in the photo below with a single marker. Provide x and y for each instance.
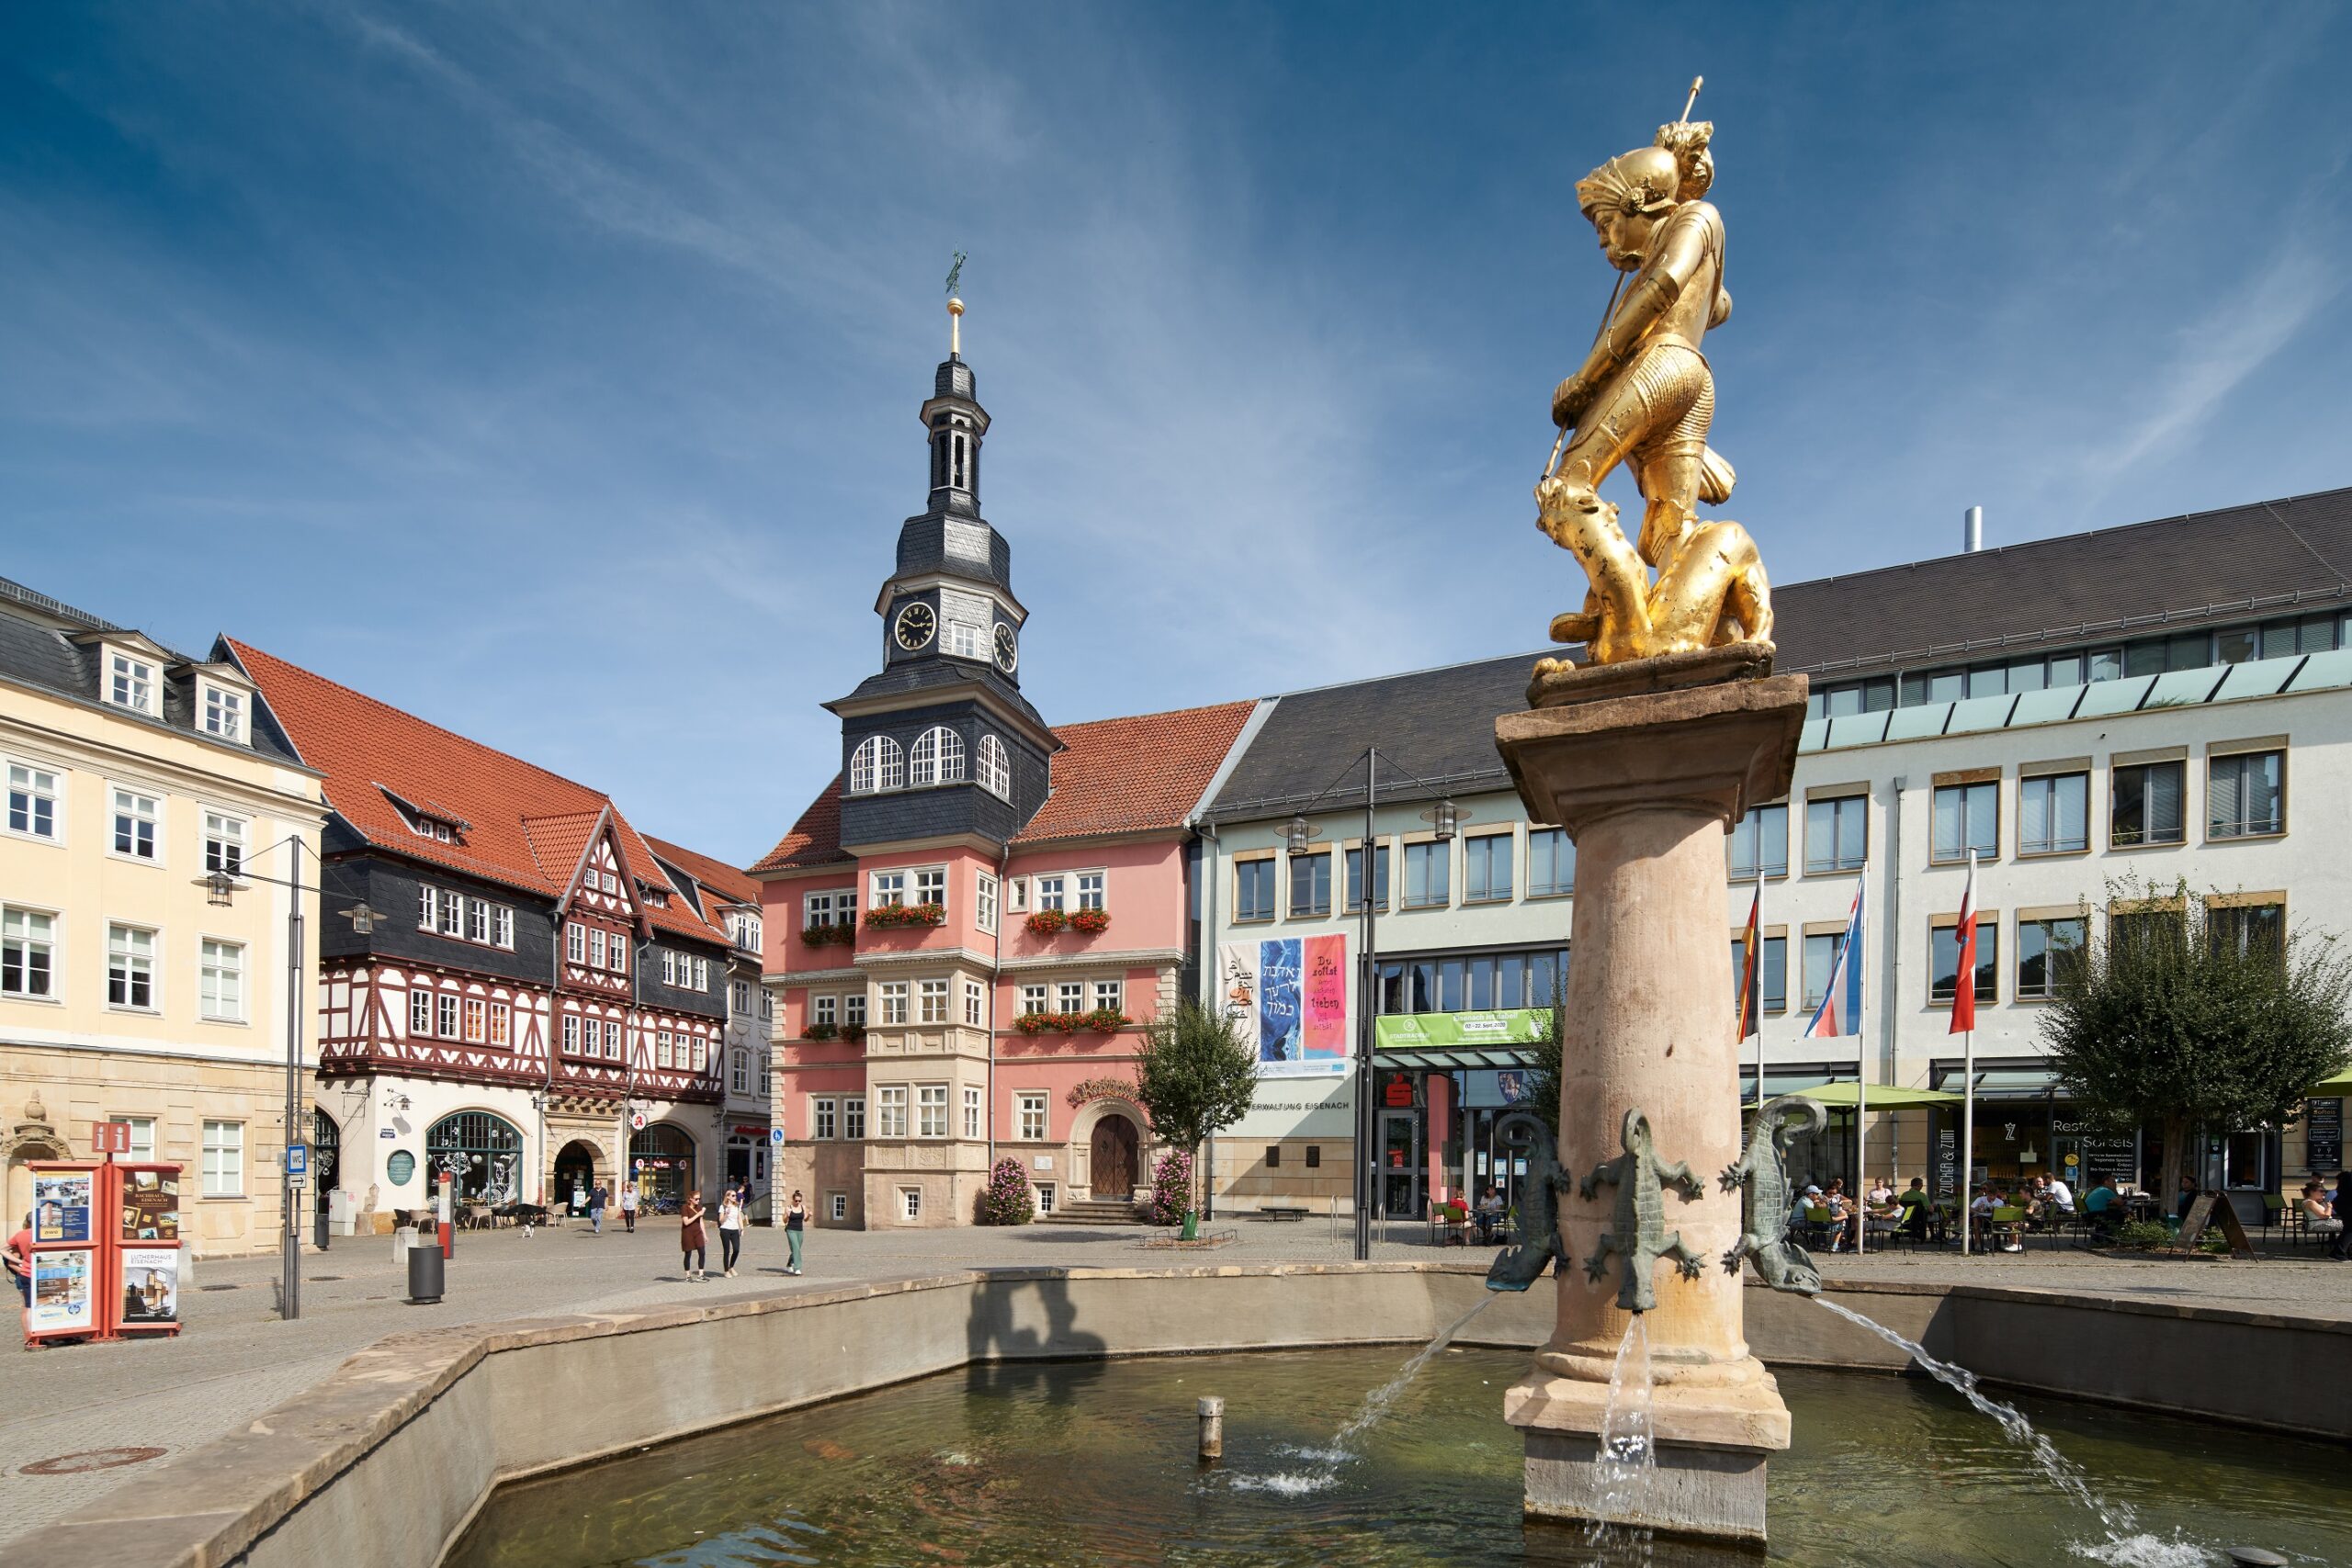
(128, 990)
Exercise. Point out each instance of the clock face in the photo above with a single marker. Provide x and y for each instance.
(915, 625)
(1008, 651)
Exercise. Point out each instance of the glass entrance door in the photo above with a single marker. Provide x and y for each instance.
(1400, 1165)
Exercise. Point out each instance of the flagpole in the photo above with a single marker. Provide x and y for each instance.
(1967, 1091)
(1758, 962)
(1861, 1102)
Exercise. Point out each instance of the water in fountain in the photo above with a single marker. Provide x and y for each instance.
(1344, 1445)
(1628, 1458)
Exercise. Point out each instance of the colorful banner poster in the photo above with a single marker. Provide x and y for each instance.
(151, 1286)
(1280, 1001)
(1237, 980)
(62, 1300)
(1512, 1032)
(1325, 1026)
(150, 1206)
(62, 1206)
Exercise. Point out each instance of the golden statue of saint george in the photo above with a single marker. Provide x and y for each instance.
(1644, 397)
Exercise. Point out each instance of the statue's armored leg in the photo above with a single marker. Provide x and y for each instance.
(1670, 487)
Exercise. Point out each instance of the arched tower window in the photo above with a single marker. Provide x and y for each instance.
(876, 764)
(996, 768)
(937, 757)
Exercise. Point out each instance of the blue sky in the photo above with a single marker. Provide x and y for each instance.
(551, 370)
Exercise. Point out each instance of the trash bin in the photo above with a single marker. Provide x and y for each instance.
(425, 1272)
(319, 1231)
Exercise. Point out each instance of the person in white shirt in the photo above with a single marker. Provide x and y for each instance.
(2061, 1195)
(730, 1231)
(628, 1207)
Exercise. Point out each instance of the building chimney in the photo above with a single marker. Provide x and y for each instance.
(1974, 541)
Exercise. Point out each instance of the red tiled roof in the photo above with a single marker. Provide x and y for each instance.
(727, 881)
(528, 827)
(1115, 775)
(1128, 775)
(815, 840)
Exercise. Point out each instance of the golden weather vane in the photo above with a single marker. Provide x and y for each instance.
(955, 308)
(1643, 399)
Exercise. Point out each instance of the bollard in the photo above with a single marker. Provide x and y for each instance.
(1212, 1428)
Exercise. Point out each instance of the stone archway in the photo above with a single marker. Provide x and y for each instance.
(30, 1138)
(1111, 1144)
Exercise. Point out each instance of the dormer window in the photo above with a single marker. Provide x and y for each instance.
(130, 682)
(432, 828)
(224, 711)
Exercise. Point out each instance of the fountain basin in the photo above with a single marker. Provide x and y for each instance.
(382, 1464)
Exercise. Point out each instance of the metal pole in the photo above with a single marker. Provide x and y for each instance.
(1860, 1194)
(1759, 1018)
(1366, 997)
(291, 1244)
(1967, 1092)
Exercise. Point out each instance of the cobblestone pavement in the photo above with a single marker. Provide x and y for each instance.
(235, 1360)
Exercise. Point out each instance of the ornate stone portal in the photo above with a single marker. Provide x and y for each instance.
(1646, 754)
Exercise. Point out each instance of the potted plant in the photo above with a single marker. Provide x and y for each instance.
(1107, 1020)
(829, 933)
(853, 1032)
(821, 1031)
(1046, 922)
(1032, 1023)
(1090, 922)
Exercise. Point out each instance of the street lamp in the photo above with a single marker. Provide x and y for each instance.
(220, 888)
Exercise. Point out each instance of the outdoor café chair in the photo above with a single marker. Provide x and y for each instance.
(2006, 1225)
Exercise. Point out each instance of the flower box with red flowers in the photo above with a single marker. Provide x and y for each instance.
(821, 1031)
(900, 917)
(1107, 1020)
(829, 933)
(1046, 922)
(853, 1032)
(1090, 922)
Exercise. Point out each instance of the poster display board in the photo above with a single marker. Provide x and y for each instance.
(2323, 1136)
(1288, 998)
(106, 1251)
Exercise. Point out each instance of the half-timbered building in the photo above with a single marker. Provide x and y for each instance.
(513, 990)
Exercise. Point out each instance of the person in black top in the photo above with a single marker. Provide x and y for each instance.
(795, 1219)
(2340, 1250)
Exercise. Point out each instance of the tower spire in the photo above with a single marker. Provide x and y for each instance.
(954, 310)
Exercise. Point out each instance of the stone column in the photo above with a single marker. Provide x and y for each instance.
(1647, 764)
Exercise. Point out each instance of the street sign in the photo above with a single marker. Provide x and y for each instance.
(775, 1135)
(636, 1121)
(298, 1161)
(110, 1137)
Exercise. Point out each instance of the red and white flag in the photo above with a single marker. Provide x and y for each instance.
(1963, 995)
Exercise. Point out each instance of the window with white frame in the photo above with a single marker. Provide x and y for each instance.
(1044, 1197)
(616, 952)
(876, 764)
(668, 967)
(891, 1110)
(224, 712)
(1090, 889)
(420, 1016)
(702, 975)
(823, 1010)
(452, 914)
(1111, 994)
(1033, 996)
(665, 1047)
(984, 902)
(224, 1159)
(596, 948)
(1016, 896)
(931, 1111)
(502, 927)
(931, 885)
(932, 997)
(963, 638)
(1031, 1109)
(820, 1117)
(1069, 996)
(744, 929)
(1052, 893)
(911, 1203)
(839, 1206)
(130, 967)
(478, 920)
(937, 757)
(976, 1002)
(220, 981)
(702, 1053)
(995, 768)
(33, 799)
(767, 1004)
(142, 1135)
(890, 887)
(829, 909)
(853, 1117)
(28, 953)
(501, 1023)
(612, 1039)
(971, 1111)
(428, 901)
(135, 816)
(739, 1070)
(893, 996)
(476, 1019)
(572, 1033)
(445, 1021)
(130, 682)
(853, 1011)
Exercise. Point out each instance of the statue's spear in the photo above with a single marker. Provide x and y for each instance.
(1560, 442)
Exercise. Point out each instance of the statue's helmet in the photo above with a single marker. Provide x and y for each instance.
(1644, 180)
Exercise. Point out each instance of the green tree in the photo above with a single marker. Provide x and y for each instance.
(2191, 1015)
(1194, 1077)
(1544, 1083)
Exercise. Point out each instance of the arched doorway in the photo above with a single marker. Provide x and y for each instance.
(661, 1162)
(1112, 1157)
(326, 1157)
(575, 1176)
(480, 1152)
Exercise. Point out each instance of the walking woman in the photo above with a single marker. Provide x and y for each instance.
(795, 1218)
(690, 1238)
(730, 1230)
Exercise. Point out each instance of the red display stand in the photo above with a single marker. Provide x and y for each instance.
(106, 1251)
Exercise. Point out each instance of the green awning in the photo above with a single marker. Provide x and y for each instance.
(2341, 1084)
(1878, 1097)
(1445, 1041)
